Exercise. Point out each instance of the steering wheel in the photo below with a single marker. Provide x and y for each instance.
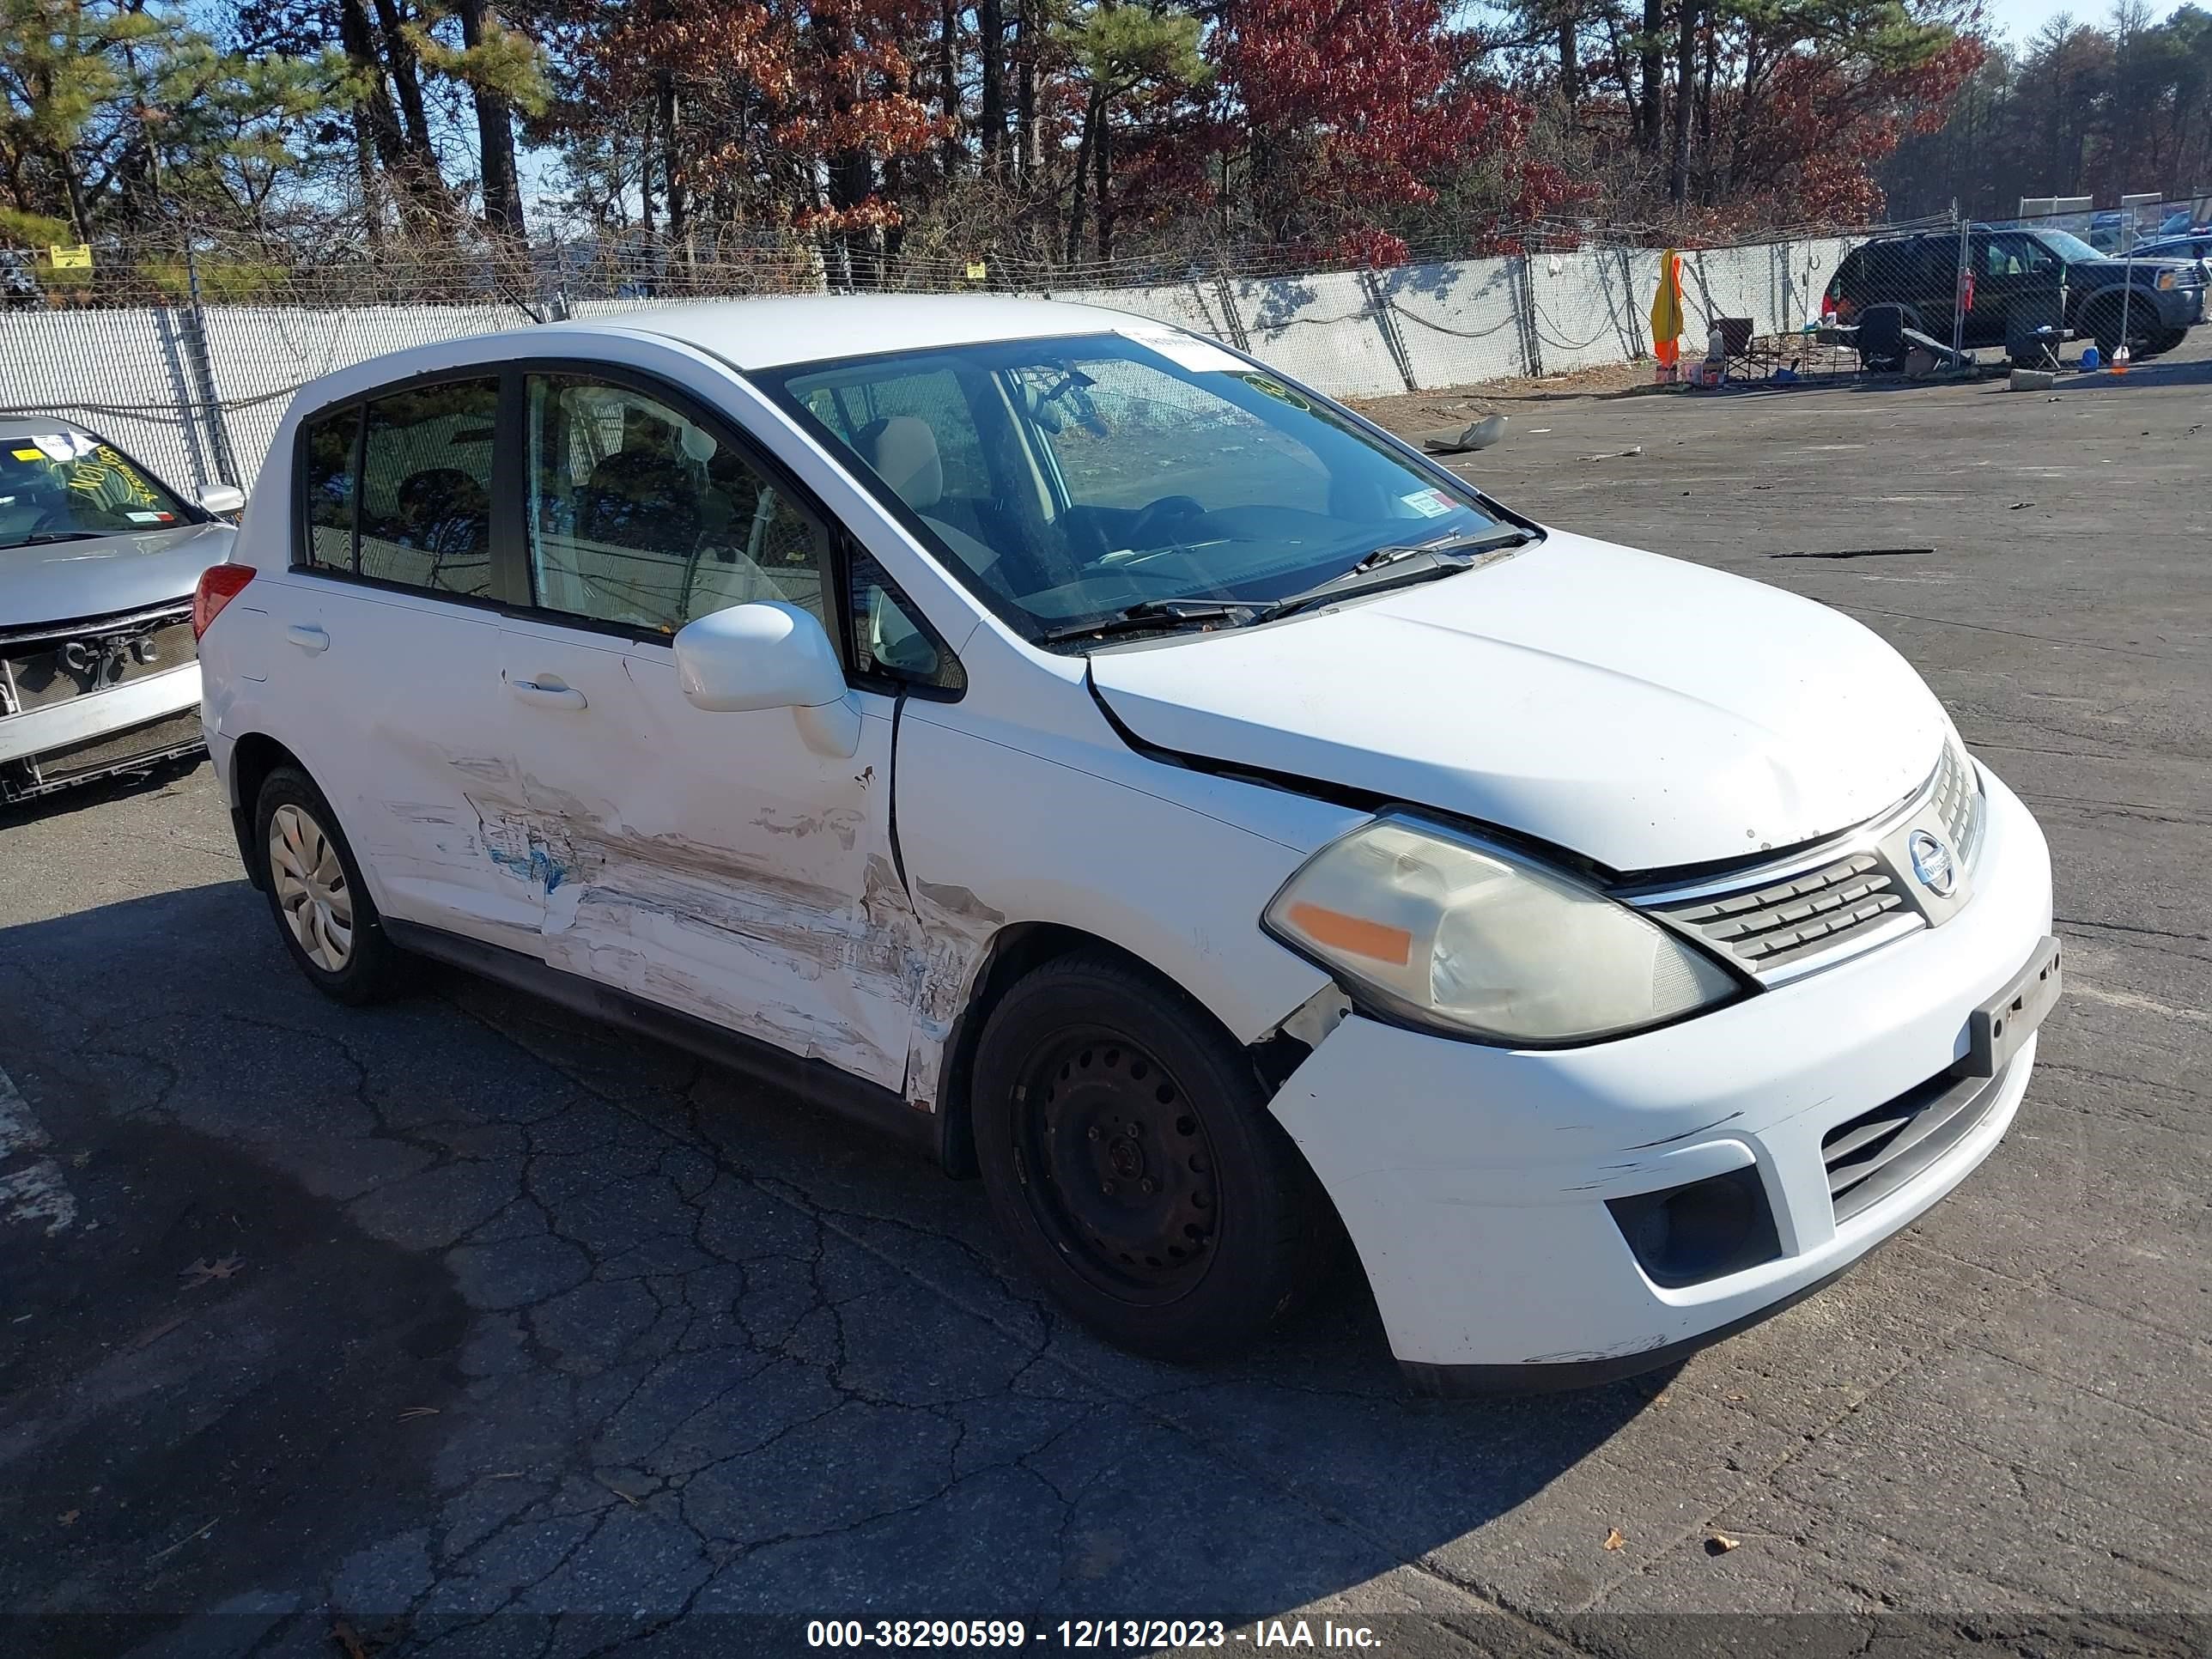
(1153, 520)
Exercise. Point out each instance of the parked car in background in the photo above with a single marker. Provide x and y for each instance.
(1078, 748)
(98, 561)
(2195, 245)
(2044, 275)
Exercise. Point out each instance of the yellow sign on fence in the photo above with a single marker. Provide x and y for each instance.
(977, 270)
(72, 259)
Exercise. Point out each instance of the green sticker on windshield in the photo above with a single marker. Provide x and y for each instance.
(1275, 389)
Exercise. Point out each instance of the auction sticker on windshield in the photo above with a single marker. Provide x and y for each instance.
(1199, 356)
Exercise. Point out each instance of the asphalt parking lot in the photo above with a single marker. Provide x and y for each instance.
(455, 1325)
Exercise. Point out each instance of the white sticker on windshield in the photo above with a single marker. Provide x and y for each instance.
(1429, 503)
(148, 518)
(56, 448)
(1187, 350)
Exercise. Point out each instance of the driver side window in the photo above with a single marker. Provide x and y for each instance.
(639, 515)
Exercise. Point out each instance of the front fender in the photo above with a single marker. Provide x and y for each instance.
(1000, 825)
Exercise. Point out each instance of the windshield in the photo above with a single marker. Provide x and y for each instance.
(62, 486)
(2068, 245)
(1068, 480)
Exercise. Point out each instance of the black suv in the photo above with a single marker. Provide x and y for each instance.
(2034, 276)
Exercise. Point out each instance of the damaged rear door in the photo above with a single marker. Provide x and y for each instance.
(712, 863)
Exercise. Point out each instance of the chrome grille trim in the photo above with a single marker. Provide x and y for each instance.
(1835, 901)
(1768, 927)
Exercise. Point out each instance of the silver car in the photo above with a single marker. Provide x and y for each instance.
(98, 561)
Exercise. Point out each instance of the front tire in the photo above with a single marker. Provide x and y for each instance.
(323, 910)
(1130, 1157)
(2104, 327)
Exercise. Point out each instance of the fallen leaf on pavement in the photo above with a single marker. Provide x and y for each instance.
(347, 1637)
(69, 1517)
(1615, 1539)
(1720, 1543)
(203, 1271)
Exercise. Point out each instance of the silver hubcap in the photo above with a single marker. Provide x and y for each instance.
(311, 887)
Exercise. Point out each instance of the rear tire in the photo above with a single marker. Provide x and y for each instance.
(323, 911)
(1131, 1160)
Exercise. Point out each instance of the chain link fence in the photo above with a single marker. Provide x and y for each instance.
(188, 357)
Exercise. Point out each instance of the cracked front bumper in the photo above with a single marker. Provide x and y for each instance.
(1474, 1180)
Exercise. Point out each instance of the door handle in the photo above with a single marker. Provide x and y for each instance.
(308, 637)
(549, 693)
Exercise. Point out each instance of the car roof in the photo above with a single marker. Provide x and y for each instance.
(773, 333)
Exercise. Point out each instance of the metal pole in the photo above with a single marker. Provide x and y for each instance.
(226, 466)
(1959, 290)
(2127, 285)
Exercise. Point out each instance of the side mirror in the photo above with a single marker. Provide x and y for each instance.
(769, 655)
(222, 498)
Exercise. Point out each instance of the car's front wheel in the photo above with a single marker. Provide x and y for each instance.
(2105, 320)
(1130, 1157)
(329, 922)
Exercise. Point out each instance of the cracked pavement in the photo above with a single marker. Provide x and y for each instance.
(460, 1326)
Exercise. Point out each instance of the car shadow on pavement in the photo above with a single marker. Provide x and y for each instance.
(454, 1309)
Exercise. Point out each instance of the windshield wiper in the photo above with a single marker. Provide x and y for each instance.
(39, 538)
(1400, 565)
(1151, 615)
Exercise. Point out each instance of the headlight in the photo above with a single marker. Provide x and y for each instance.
(2166, 280)
(1447, 931)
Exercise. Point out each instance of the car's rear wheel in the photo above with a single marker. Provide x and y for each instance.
(1130, 1157)
(323, 911)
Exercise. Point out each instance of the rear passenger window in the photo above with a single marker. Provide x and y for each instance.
(329, 458)
(425, 506)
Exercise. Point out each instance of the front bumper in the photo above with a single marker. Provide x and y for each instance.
(1474, 1180)
(139, 721)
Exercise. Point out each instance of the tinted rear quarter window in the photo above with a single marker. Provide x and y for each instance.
(426, 487)
(328, 446)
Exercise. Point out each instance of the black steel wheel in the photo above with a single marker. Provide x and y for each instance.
(1121, 1173)
(1130, 1157)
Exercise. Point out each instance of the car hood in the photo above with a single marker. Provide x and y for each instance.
(61, 581)
(1641, 711)
(2113, 269)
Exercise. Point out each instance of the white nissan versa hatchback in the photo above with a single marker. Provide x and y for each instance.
(1138, 778)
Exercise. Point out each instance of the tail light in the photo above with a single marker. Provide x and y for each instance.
(219, 585)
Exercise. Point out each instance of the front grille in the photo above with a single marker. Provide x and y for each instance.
(1958, 800)
(41, 667)
(1825, 905)
(1876, 1153)
(1768, 927)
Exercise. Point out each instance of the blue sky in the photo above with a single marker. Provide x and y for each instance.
(2019, 19)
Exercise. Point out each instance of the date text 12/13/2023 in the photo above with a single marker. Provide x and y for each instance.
(1138, 1634)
